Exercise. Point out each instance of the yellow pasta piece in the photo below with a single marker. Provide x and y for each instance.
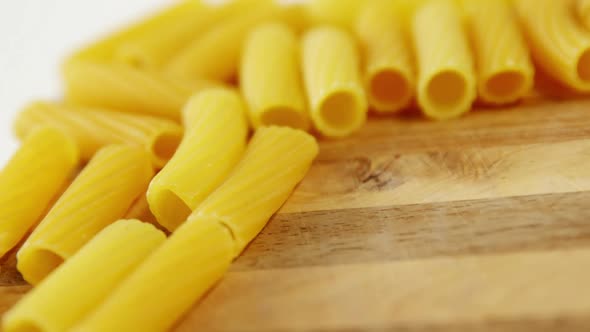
(197, 255)
(446, 80)
(31, 180)
(337, 101)
(388, 66)
(153, 48)
(201, 249)
(94, 128)
(270, 78)
(85, 280)
(559, 44)
(276, 160)
(101, 194)
(140, 210)
(216, 54)
(342, 13)
(583, 12)
(505, 71)
(213, 145)
(105, 49)
(129, 89)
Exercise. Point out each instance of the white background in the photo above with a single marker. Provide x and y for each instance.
(36, 35)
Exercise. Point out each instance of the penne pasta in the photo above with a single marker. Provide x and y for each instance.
(446, 76)
(85, 280)
(104, 50)
(342, 13)
(31, 180)
(559, 44)
(215, 55)
(151, 299)
(388, 65)
(332, 80)
(270, 78)
(276, 160)
(94, 128)
(214, 143)
(101, 194)
(200, 250)
(128, 89)
(505, 70)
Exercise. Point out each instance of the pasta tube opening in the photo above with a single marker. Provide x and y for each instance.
(38, 262)
(389, 89)
(583, 66)
(340, 112)
(284, 116)
(447, 92)
(164, 146)
(506, 85)
(170, 207)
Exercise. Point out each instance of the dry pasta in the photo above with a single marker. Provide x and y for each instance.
(270, 77)
(276, 160)
(129, 89)
(101, 194)
(31, 180)
(215, 54)
(446, 76)
(559, 44)
(583, 12)
(332, 80)
(505, 70)
(388, 65)
(200, 250)
(140, 210)
(104, 50)
(94, 128)
(150, 300)
(342, 13)
(213, 145)
(154, 47)
(85, 280)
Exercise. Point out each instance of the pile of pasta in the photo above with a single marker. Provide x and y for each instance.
(180, 136)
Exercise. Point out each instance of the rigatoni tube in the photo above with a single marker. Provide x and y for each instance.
(94, 128)
(276, 160)
(105, 49)
(446, 75)
(129, 89)
(214, 143)
(559, 44)
(331, 74)
(504, 67)
(85, 280)
(270, 77)
(388, 65)
(216, 53)
(101, 194)
(159, 42)
(31, 180)
(200, 250)
(196, 255)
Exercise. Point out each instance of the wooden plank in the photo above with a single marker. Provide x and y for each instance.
(443, 176)
(350, 236)
(534, 122)
(441, 291)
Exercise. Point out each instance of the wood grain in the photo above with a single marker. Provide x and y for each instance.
(478, 224)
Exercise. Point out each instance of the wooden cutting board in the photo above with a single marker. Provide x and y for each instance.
(482, 224)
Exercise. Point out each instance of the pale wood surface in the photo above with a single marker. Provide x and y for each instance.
(477, 224)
